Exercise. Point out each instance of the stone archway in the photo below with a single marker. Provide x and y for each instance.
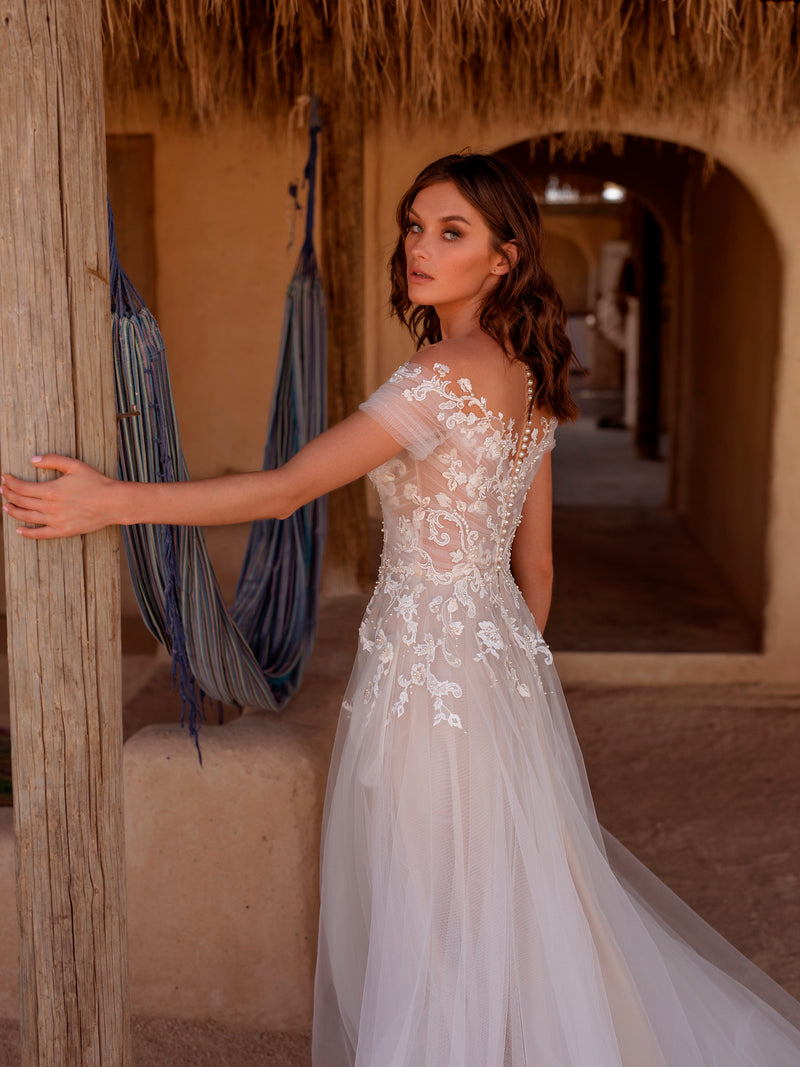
(712, 275)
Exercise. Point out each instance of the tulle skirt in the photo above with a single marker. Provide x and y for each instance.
(475, 914)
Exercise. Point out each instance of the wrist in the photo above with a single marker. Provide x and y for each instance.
(120, 503)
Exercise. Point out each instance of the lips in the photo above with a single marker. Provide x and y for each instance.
(419, 276)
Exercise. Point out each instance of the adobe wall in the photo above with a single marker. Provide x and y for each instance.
(729, 382)
(587, 234)
(221, 209)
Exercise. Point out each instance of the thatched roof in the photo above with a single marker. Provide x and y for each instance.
(432, 57)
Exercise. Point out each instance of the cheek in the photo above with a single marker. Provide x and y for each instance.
(475, 262)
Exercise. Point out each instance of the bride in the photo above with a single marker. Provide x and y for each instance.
(473, 912)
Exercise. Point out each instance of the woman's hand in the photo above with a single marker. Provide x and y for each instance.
(78, 502)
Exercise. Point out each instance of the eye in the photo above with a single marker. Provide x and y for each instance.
(414, 227)
(451, 235)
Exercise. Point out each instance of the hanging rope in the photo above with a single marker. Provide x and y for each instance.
(255, 653)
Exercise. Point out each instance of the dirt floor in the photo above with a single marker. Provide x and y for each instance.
(701, 784)
(175, 1043)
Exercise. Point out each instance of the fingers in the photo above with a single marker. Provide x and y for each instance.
(27, 501)
(38, 533)
(52, 461)
(24, 494)
(49, 462)
(59, 507)
(18, 490)
(41, 526)
(24, 514)
(21, 513)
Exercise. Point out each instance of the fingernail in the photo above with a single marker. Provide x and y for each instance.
(2, 479)
(36, 459)
(20, 529)
(5, 507)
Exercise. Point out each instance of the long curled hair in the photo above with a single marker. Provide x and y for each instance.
(523, 313)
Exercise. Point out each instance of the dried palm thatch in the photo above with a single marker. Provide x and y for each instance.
(575, 58)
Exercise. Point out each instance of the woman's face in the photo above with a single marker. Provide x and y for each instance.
(450, 258)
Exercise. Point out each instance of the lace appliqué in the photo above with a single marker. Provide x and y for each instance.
(448, 521)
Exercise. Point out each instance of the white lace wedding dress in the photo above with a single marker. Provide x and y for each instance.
(473, 912)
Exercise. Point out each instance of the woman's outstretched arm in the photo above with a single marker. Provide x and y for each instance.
(82, 499)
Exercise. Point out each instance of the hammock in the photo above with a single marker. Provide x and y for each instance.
(255, 653)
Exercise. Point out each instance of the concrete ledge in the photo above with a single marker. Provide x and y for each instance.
(223, 869)
(223, 860)
(670, 668)
(223, 872)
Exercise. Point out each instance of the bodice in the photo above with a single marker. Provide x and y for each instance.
(452, 500)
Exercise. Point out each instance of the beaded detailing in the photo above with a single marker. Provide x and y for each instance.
(519, 462)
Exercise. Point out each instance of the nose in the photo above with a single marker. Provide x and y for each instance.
(417, 247)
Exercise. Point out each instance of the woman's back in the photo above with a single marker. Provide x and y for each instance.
(452, 500)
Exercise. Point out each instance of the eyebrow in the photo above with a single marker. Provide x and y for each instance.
(444, 218)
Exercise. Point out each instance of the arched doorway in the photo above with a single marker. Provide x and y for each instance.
(661, 488)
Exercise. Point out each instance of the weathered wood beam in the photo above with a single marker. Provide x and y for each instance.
(56, 394)
(342, 239)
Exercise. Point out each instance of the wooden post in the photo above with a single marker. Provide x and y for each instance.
(56, 394)
(342, 230)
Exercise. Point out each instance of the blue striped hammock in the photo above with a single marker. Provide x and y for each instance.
(254, 653)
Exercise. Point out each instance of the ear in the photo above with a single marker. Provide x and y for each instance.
(508, 259)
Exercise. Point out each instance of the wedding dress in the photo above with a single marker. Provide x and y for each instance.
(473, 911)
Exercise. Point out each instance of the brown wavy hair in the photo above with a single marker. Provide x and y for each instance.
(523, 313)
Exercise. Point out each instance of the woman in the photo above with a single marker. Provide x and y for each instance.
(473, 912)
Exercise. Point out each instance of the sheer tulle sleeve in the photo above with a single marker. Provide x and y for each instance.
(411, 406)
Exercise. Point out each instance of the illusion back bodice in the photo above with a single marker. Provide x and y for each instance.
(453, 499)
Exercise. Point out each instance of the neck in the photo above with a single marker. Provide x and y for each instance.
(460, 321)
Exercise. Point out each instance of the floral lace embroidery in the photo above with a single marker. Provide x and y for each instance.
(449, 521)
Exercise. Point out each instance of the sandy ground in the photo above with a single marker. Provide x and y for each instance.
(700, 782)
(173, 1043)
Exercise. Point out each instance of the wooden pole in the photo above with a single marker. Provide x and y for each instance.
(56, 394)
(342, 238)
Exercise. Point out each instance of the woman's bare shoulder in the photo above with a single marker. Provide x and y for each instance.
(464, 357)
(483, 370)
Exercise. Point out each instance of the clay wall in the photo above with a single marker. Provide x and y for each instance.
(221, 235)
(728, 387)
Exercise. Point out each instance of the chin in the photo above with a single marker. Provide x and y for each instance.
(419, 303)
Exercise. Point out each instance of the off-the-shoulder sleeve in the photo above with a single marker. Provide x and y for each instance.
(411, 407)
(547, 433)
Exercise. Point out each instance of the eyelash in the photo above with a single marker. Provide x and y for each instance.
(450, 234)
